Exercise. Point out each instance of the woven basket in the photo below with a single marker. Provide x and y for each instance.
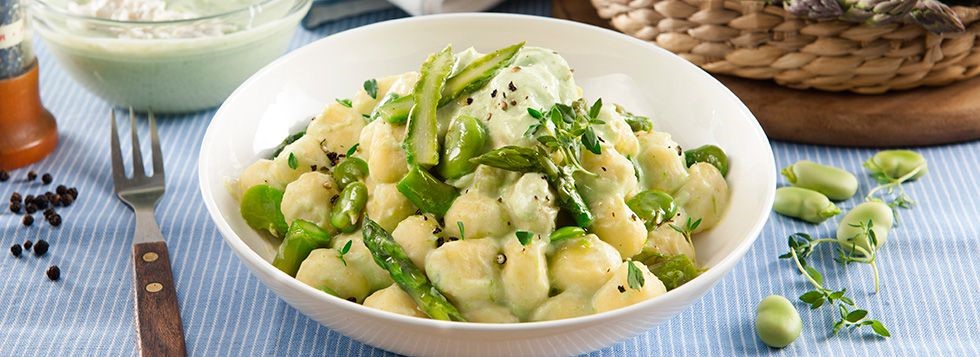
(748, 38)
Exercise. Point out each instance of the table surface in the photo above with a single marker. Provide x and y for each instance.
(928, 269)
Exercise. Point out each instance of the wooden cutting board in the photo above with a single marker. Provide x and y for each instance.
(924, 116)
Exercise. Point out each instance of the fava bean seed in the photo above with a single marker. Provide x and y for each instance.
(837, 184)
(891, 165)
(653, 206)
(465, 139)
(852, 236)
(710, 154)
(348, 208)
(350, 170)
(777, 322)
(805, 204)
(260, 208)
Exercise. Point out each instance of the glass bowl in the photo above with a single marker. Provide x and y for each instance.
(170, 65)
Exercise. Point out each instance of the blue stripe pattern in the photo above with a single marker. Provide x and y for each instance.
(928, 269)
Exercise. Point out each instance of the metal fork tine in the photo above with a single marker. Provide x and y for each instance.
(138, 169)
(155, 143)
(118, 170)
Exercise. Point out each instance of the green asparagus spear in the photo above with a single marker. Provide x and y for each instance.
(427, 193)
(260, 209)
(422, 139)
(349, 206)
(636, 122)
(564, 233)
(523, 159)
(390, 256)
(396, 109)
(465, 139)
(288, 140)
(478, 73)
(303, 237)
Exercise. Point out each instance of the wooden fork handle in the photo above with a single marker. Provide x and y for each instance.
(158, 325)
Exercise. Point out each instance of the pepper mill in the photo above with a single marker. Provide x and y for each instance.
(28, 132)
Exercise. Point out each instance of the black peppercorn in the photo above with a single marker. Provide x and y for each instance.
(55, 220)
(61, 190)
(15, 207)
(31, 208)
(4, 175)
(16, 250)
(73, 192)
(48, 212)
(53, 273)
(28, 244)
(28, 199)
(28, 220)
(67, 200)
(15, 197)
(40, 203)
(31, 175)
(46, 179)
(41, 247)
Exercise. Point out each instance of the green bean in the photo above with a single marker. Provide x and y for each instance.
(710, 154)
(653, 206)
(837, 184)
(395, 110)
(563, 233)
(805, 204)
(892, 165)
(261, 210)
(465, 139)
(422, 137)
(427, 193)
(852, 232)
(673, 271)
(301, 239)
(777, 322)
(391, 256)
(350, 170)
(349, 206)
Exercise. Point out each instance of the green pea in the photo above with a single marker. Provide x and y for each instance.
(777, 322)
(851, 234)
(261, 209)
(349, 206)
(349, 170)
(653, 206)
(805, 204)
(890, 165)
(465, 139)
(837, 184)
(710, 154)
(564, 233)
(301, 239)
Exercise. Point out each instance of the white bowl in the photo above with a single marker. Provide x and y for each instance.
(681, 98)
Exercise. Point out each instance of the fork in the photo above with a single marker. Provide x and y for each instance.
(158, 326)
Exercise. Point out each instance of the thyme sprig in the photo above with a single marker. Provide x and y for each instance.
(890, 189)
(801, 246)
(687, 230)
(566, 128)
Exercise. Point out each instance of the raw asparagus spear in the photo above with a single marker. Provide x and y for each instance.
(390, 256)
(476, 74)
(427, 193)
(524, 159)
(301, 239)
(422, 139)
(396, 109)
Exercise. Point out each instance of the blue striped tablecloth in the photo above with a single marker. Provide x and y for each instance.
(929, 268)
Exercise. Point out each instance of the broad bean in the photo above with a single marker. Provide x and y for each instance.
(465, 139)
(777, 322)
(837, 184)
(653, 206)
(805, 204)
(710, 154)
(349, 206)
(851, 233)
(891, 165)
(261, 210)
(351, 169)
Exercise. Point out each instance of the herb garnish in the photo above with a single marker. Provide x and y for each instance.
(345, 102)
(634, 276)
(687, 230)
(343, 251)
(801, 246)
(524, 237)
(291, 160)
(462, 234)
(371, 87)
(352, 150)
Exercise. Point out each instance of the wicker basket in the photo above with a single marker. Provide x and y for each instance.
(748, 38)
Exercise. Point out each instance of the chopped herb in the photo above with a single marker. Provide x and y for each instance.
(687, 230)
(596, 107)
(352, 150)
(462, 235)
(345, 102)
(591, 141)
(634, 276)
(536, 114)
(371, 87)
(292, 161)
(343, 251)
(524, 237)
